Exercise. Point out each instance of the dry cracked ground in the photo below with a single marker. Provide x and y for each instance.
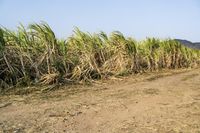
(164, 102)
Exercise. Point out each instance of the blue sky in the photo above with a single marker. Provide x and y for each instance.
(136, 18)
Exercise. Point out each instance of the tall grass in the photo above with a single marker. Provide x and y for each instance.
(34, 55)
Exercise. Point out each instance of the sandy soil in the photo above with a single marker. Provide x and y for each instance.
(167, 102)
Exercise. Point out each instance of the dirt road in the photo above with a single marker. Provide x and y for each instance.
(164, 102)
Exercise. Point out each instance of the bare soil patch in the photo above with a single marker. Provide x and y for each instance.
(166, 102)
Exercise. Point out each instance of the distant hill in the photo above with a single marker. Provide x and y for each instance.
(195, 45)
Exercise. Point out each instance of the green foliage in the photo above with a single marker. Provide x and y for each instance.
(34, 55)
